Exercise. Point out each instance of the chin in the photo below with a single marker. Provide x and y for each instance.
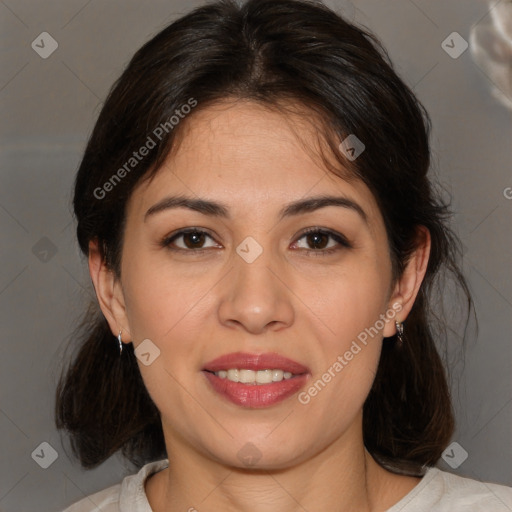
(263, 455)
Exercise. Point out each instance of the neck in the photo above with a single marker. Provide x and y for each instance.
(343, 477)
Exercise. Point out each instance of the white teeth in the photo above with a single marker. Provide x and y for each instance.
(277, 375)
(253, 377)
(232, 375)
(264, 377)
(246, 376)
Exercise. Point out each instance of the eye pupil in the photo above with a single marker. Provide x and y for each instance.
(317, 240)
(194, 239)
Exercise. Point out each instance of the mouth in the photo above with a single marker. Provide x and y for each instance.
(255, 380)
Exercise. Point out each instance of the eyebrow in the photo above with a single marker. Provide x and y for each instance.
(216, 209)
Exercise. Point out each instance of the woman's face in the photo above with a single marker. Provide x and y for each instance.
(251, 280)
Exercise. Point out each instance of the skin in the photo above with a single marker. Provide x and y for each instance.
(308, 306)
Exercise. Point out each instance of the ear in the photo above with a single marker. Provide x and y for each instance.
(109, 293)
(407, 286)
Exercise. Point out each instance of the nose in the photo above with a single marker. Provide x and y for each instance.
(255, 298)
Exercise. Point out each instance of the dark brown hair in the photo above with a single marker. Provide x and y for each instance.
(273, 52)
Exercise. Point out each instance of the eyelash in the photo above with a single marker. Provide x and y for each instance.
(338, 237)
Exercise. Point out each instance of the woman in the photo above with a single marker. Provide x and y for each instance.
(264, 243)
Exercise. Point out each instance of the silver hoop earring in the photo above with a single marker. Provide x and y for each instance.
(400, 332)
(120, 343)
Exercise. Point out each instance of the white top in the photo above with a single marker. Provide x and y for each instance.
(438, 491)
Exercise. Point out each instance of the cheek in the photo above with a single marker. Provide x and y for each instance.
(159, 298)
(351, 306)
(351, 301)
(169, 310)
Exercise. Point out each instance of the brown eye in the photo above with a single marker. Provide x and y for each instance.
(191, 239)
(317, 240)
(194, 239)
(321, 241)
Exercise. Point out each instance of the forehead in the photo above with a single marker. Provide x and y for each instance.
(247, 155)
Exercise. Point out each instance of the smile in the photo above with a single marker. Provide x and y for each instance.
(255, 380)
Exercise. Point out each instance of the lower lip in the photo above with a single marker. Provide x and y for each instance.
(256, 396)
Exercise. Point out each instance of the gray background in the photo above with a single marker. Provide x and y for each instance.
(48, 108)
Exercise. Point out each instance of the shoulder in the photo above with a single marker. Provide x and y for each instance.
(127, 496)
(441, 491)
(106, 500)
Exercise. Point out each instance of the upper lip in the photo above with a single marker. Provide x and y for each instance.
(245, 360)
